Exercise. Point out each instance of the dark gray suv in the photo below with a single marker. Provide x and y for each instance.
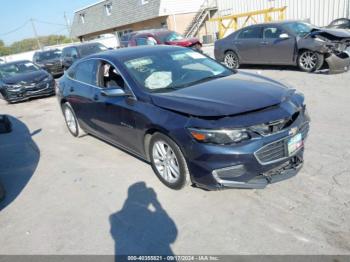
(73, 53)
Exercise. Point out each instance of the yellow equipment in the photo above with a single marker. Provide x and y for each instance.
(233, 19)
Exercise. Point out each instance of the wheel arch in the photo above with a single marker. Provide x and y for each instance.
(234, 51)
(147, 138)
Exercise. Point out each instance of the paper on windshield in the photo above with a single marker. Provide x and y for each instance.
(158, 80)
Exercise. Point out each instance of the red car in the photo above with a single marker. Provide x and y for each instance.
(163, 37)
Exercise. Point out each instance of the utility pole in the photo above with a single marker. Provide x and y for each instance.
(348, 9)
(35, 33)
(68, 27)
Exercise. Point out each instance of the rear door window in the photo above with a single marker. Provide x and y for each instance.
(251, 33)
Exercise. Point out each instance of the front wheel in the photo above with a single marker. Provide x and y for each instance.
(309, 61)
(168, 162)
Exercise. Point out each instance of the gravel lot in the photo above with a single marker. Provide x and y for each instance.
(70, 196)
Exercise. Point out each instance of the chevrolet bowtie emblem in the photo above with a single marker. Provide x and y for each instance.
(293, 131)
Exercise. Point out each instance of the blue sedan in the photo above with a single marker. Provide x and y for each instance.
(194, 120)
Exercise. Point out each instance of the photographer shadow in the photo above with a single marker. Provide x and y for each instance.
(19, 157)
(142, 226)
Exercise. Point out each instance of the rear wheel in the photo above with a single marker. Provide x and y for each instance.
(71, 120)
(231, 60)
(168, 162)
(309, 61)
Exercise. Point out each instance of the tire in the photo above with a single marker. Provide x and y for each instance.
(309, 61)
(165, 154)
(231, 60)
(72, 121)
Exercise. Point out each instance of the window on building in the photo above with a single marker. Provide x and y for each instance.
(108, 9)
(143, 2)
(82, 18)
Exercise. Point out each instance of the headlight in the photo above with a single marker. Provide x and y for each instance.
(220, 136)
(320, 40)
(13, 87)
(48, 78)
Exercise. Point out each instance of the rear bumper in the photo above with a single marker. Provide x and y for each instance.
(338, 63)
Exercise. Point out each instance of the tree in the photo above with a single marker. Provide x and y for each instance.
(3, 49)
(30, 44)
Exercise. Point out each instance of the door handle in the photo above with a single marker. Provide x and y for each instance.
(71, 89)
(264, 43)
(96, 97)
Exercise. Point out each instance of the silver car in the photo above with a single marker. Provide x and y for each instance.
(286, 43)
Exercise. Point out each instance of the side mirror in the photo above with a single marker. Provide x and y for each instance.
(113, 92)
(74, 57)
(284, 36)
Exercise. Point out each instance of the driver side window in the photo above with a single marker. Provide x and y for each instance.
(109, 76)
(272, 32)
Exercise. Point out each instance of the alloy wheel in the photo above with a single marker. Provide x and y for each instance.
(308, 60)
(165, 161)
(231, 61)
(70, 120)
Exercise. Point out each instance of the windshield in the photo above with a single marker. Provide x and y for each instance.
(173, 36)
(49, 55)
(300, 29)
(86, 50)
(13, 69)
(165, 70)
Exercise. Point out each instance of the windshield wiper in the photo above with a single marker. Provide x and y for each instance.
(205, 79)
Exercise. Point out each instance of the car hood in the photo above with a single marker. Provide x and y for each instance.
(329, 33)
(26, 78)
(236, 94)
(184, 42)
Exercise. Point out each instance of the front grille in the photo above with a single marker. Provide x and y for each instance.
(279, 149)
(55, 67)
(272, 152)
(275, 126)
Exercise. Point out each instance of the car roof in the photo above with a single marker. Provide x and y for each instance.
(279, 22)
(46, 51)
(82, 44)
(160, 31)
(123, 53)
(17, 62)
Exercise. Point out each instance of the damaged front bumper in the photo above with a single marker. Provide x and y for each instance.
(285, 171)
(25, 93)
(338, 63)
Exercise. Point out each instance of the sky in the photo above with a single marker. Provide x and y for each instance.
(17, 13)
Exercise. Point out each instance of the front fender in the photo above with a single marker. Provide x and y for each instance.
(313, 45)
